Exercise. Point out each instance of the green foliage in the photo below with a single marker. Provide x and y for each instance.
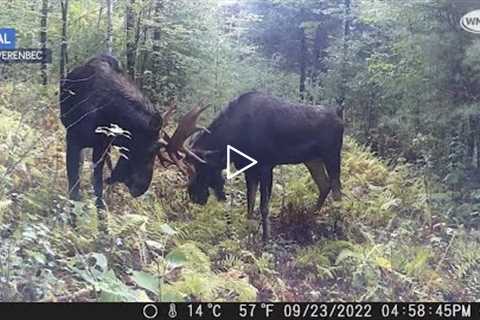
(319, 261)
(93, 268)
(190, 256)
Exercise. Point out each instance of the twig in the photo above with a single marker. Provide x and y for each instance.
(445, 253)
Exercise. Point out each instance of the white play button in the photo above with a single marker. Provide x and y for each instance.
(230, 175)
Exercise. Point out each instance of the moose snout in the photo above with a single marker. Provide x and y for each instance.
(136, 192)
(136, 189)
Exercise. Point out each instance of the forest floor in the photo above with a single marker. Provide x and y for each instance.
(384, 242)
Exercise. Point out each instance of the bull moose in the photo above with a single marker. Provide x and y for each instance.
(98, 94)
(274, 133)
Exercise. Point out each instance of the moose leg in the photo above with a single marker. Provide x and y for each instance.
(317, 171)
(74, 160)
(252, 180)
(266, 176)
(98, 159)
(332, 164)
(108, 160)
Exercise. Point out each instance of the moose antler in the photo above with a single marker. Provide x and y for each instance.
(174, 146)
(164, 139)
(166, 116)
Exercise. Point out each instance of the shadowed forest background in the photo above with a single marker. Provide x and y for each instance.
(407, 228)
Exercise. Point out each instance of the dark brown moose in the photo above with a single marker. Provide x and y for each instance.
(100, 108)
(273, 132)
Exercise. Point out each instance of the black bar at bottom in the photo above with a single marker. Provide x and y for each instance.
(234, 311)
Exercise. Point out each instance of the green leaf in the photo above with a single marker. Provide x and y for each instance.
(39, 257)
(176, 258)
(137, 219)
(383, 263)
(101, 263)
(146, 281)
(166, 229)
(113, 290)
(155, 245)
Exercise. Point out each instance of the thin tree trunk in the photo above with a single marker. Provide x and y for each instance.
(303, 63)
(130, 30)
(64, 45)
(156, 44)
(143, 56)
(109, 27)
(470, 141)
(476, 139)
(100, 13)
(318, 55)
(43, 39)
(346, 35)
(157, 31)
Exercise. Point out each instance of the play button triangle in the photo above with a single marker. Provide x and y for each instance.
(231, 175)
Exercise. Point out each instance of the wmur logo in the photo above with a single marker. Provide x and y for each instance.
(471, 21)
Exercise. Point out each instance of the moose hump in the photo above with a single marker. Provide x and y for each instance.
(471, 21)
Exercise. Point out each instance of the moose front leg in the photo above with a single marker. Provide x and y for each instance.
(332, 165)
(74, 162)
(266, 177)
(252, 179)
(98, 159)
(317, 171)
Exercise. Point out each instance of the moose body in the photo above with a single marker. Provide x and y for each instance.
(274, 133)
(98, 94)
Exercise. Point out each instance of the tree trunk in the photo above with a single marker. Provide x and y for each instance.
(470, 141)
(64, 44)
(130, 37)
(143, 55)
(109, 27)
(319, 54)
(43, 39)
(100, 13)
(316, 56)
(155, 65)
(476, 140)
(157, 31)
(346, 35)
(477, 147)
(303, 63)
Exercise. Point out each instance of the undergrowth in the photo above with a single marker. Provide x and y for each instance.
(384, 241)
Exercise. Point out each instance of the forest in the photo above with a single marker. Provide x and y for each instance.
(406, 75)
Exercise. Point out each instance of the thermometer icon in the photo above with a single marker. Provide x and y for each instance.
(172, 313)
